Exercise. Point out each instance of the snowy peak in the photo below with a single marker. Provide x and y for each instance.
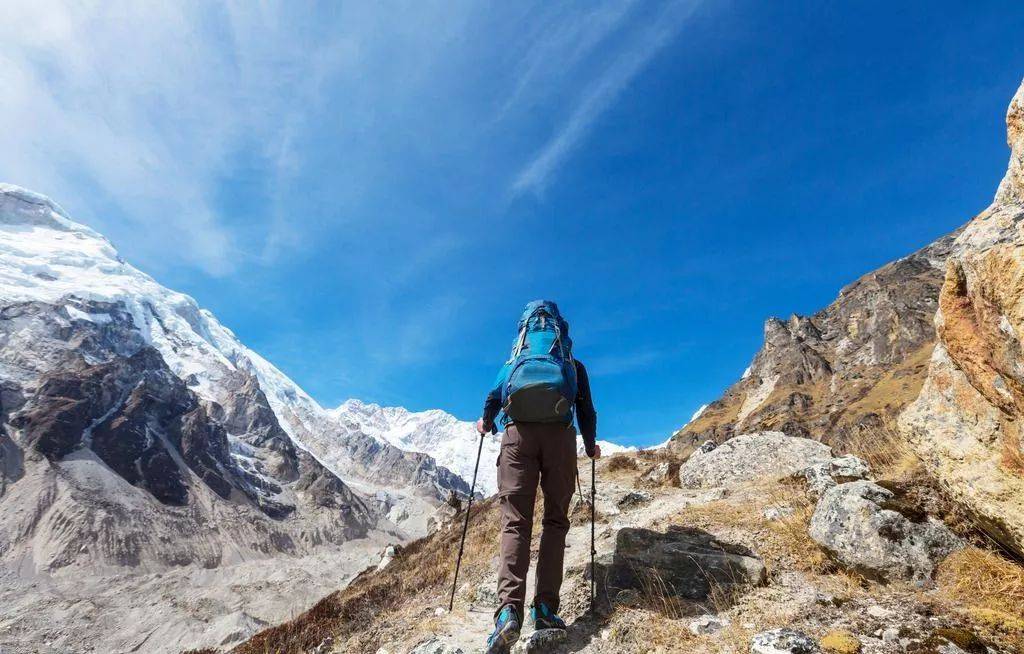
(451, 442)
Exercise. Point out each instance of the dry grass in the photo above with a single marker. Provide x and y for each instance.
(989, 589)
(639, 631)
(621, 463)
(361, 612)
(884, 448)
(783, 542)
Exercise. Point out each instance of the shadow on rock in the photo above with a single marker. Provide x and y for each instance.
(679, 572)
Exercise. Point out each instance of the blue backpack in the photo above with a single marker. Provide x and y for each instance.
(540, 376)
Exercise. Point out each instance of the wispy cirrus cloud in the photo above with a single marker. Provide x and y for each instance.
(643, 42)
(140, 111)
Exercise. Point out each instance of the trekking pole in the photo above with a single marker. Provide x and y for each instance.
(465, 524)
(593, 551)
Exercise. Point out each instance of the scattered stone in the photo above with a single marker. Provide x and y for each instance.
(436, 646)
(840, 470)
(849, 468)
(708, 624)
(783, 641)
(827, 599)
(880, 612)
(486, 594)
(778, 512)
(662, 474)
(854, 523)
(543, 641)
(386, 557)
(706, 447)
(686, 562)
(770, 454)
(891, 635)
(634, 499)
(439, 611)
(840, 641)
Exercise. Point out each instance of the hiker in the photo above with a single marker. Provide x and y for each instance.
(537, 391)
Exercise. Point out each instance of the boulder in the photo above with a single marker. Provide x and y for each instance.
(543, 641)
(783, 641)
(665, 473)
(634, 499)
(683, 562)
(822, 476)
(857, 525)
(769, 454)
(966, 423)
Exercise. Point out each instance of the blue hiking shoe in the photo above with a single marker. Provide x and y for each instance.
(506, 631)
(544, 618)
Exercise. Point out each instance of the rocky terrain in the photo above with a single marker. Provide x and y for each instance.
(149, 461)
(966, 422)
(857, 490)
(733, 549)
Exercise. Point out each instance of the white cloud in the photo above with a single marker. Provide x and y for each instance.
(141, 107)
(602, 91)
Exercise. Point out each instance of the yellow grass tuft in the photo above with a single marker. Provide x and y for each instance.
(989, 589)
(840, 641)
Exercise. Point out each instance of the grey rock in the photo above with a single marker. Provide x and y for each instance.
(706, 447)
(662, 474)
(840, 470)
(891, 635)
(685, 563)
(855, 523)
(783, 641)
(745, 458)
(777, 512)
(542, 641)
(708, 624)
(634, 499)
(486, 594)
(435, 646)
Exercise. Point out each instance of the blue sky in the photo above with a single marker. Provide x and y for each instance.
(367, 193)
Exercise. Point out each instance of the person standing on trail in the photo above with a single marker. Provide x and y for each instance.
(538, 390)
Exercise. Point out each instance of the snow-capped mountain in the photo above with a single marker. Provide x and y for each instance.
(47, 258)
(453, 443)
(139, 436)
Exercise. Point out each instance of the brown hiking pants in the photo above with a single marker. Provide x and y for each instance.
(532, 452)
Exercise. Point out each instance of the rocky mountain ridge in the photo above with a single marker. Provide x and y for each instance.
(139, 436)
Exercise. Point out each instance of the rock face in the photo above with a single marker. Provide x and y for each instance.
(857, 524)
(966, 423)
(138, 435)
(823, 476)
(752, 456)
(839, 374)
(682, 562)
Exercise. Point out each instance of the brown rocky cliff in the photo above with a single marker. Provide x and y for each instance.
(966, 423)
(846, 370)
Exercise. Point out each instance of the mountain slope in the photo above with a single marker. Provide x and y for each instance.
(844, 372)
(141, 442)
